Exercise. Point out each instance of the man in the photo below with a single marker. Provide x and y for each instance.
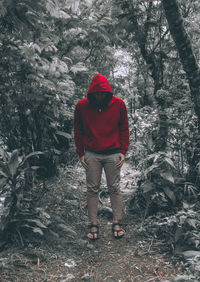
(102, 138)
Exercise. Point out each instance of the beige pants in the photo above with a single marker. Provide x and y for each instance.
(96, 163)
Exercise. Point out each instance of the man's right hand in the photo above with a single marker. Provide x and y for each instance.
(84, 164)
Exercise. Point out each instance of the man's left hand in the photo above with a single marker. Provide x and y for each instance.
(121, 162)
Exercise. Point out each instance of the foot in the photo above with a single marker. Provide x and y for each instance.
(94, 232)
(118, 232)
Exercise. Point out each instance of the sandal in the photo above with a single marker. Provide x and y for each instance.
(118, 231)
(94, 232)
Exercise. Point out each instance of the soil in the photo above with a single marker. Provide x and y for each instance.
(65, 254)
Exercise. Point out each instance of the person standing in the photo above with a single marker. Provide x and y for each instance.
(101, 136)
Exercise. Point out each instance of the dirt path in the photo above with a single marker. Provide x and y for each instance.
(129, 259)
(62, 256)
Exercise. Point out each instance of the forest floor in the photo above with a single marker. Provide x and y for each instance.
(65, 254)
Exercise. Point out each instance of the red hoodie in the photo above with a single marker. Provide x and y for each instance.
(101, 130)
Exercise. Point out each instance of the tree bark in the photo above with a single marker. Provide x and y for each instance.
(184, 46)
(190, 66)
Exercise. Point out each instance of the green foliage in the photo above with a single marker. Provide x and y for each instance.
(143, 124)
(36, 90)
(12, 165)
(49, 50)
(157, 189)
(181, 227)
(16, 212)
(45, 64)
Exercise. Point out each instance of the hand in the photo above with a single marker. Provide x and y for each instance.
(84, 164)
(121, 162)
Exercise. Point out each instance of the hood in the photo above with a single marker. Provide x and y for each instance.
(99, 83)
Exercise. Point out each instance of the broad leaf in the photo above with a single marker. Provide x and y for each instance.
(157, 156)
(2, 10)
(79, 67)
(56, 151)
(4, 168)
(170, 194)
(38, 230)
(65, 134)
(13, 163)
(3, 181)
(151, 168)
(168, 176)
(4, 154)
(192, 222)
(34, 229)
(178, 234)
(37, 222)
(151, 156)
(148, 186)
(35, 167)
(36, 153)
(186, 205)
(170, 162)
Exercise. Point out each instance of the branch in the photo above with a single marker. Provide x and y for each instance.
(163, 36)
(90, 54)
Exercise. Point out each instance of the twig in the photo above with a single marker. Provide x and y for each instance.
(151, 279)
(150, 244)
(38, 262)
(20, 237)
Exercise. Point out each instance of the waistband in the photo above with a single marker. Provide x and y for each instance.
(107, 152)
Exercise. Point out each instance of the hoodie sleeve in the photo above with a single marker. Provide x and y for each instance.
(124, 129)
(78, 131)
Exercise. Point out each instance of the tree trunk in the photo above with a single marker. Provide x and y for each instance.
(190, 66)
(183, 44)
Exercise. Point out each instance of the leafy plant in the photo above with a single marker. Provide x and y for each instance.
(180, 230)
(34, 94)
(190, 191)
(157, 190)
(16, 213)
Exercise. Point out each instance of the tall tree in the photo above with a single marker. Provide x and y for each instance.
(192, 70)
(185, 50)
(144, 20)
(49, 50)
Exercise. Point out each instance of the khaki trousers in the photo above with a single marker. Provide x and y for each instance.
(96, 163)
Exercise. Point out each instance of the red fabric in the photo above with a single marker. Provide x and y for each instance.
(99, 83)
(98, 130)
